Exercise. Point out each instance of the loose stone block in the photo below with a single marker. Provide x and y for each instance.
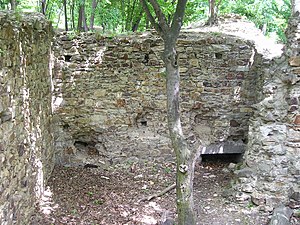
(294, 61)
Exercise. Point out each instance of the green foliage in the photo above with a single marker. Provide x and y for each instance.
(98, 202)
(115, 16)
(196, 10)
(271, 14)
(250, 205)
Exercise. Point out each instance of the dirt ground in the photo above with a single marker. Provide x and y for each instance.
(90, 196)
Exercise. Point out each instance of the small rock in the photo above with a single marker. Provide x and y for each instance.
(258, 199)
(281, 216)
(231, 166)
(225, 170)
(242, 197)
(247, 188)
(245, 172)
(295, 196)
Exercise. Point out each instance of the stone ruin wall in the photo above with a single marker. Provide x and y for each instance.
(272, 161)
(109, 107)
(26, 142)
(110, 96)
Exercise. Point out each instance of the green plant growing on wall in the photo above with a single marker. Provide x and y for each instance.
(216, 34)
(98, 202)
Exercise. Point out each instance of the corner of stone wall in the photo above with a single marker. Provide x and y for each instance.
(26, 140)
(271, 173)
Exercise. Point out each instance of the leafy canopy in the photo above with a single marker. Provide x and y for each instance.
(116, 16)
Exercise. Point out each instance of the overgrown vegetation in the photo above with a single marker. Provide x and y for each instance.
(118, 16)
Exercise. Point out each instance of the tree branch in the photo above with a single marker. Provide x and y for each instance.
(161, 17)
(166, 190)
(156, 26)
(178, 17)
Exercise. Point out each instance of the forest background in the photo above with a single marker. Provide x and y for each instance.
(126, 16)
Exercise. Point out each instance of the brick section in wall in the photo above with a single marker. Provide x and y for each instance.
(110, 101)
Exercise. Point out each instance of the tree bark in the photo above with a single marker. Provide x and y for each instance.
(184, 157)
(43, 7)
(213, 12)
(137, 21)
(82, 26)
(72, 14)
(66, 14)
(92, 18)
(13, 4)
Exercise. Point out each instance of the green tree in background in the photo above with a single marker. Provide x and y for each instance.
(269, 15)
(116, 16)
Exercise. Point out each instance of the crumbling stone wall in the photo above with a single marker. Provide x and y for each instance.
(110, 95)
(26, 142)
(272, 173)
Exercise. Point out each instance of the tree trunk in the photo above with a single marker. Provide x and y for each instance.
(92, 18)
(66, 15)
(129, 13)
(43, 7)
(211, 18)
(213, 12)
(185, 160)
(72, 14)
(136, 23)
(79, 25)
(13, 4)
(82, 26)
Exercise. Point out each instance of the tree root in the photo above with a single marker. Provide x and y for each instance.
(159, 194)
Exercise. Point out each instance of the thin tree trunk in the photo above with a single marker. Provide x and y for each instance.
(92, 18)
(58, 19)
(123, 23)
(82, 25)
(49, 10)
(136, 23)
(85, 26)
(79, 25)
(184, 157)
(43, 9)
(213, 12)
(66, 15)
(72, 15)
(13, 4)
(211, 19)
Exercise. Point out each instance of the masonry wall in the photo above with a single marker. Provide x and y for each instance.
(26, 142)
(272, 161)
(110, 95)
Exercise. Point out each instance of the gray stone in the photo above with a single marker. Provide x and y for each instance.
(281, 216)
(245, 172)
